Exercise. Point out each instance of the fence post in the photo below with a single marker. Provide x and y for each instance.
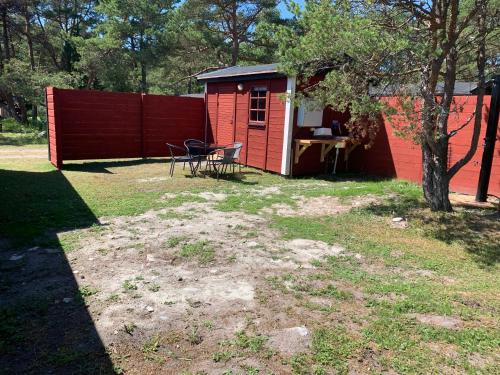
(55, 152)
(489, 142)
(47, 117)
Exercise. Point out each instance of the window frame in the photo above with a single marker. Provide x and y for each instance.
(257, 98)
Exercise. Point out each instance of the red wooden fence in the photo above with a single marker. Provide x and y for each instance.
(104, 125)
(396, 157)
(101, 125)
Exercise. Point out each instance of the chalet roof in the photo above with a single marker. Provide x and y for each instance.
(238, 71)
(269, 70)
(461, 88)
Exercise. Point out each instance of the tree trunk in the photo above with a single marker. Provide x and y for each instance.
(435, 183)
(34, 114)
(29, 40)
(144, 80)
(23, 111)
(235, 48)
(11, 105)
(5, 30)
(34, 108)
(1, 59)
(235, 51)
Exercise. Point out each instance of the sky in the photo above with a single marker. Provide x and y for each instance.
(283, 9)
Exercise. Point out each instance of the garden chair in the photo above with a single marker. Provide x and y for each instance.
(195, 147)
(186, 158)
(238, 146)
(222, 159)
(216, 154)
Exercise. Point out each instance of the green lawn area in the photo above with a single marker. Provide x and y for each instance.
(31, 139)
(418, 298)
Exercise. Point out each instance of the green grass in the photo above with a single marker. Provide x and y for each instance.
(151, 344)
(251, 201)
(332, 291)
(154, 288)
(202, 251)
(458, 253)
(332, 348)
(253, 343)
(38, 199)
(13, 318)
(330, 352)
(23, 139)
(129, 285)
(222, 356)
(87, 291)
(65, 356)
(242, 345)
(397, 290)
(174, 241)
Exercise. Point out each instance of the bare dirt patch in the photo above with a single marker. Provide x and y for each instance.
(449, 322)
(290, 341)
(481, 361)
(199, 276)
(210, 196)
(305, 251)
(266, 191)
(152, 179)
(321, 206)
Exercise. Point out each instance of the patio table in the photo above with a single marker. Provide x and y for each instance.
(205, 149)
(202, 150)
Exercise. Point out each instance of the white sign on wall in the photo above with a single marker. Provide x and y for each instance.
(309, 115)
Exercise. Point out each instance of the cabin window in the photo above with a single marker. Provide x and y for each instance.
(258, 102)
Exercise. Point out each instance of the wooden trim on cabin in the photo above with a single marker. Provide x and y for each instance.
(216, 128)
(253, 123)
(205, 138)
(247, 128)
(286, 156)
(267, 113)
(235, 96)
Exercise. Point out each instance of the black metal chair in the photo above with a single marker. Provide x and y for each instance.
(197, 149)
(223, 158)
(186, 158)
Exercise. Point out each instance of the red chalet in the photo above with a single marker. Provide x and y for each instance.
(251, 104)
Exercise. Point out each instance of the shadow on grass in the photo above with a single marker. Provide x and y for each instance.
(344, 177)
(45, 326)
(237, 176)
(478, 230)
(101, 166)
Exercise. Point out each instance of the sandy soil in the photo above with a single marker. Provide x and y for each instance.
(140, 279)
(157, 310)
